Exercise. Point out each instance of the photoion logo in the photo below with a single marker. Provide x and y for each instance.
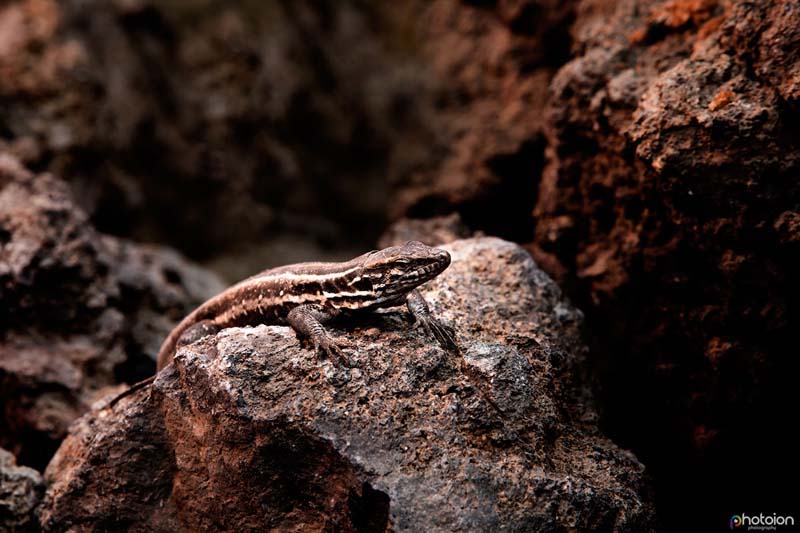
(760, 522)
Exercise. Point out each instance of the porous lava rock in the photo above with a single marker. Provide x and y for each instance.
(248, 430)
(493, 62)
(21, 488)
(81, 311)
(667, 209)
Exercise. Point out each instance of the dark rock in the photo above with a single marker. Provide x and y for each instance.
(279, 118)
(494, 62)
(247, 430)
(21, 488)
(432, 231)
(668, 210)
(283, 118)
(81, 311)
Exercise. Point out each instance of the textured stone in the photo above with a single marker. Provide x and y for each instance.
(81, 311)
(666, 209)
(21, 488)
(247, 430)
(280, 118)
(493, 62)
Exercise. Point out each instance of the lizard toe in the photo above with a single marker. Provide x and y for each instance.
(336, 355)
(443, 334)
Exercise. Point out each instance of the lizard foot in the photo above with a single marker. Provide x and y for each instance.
(444, 334)
(334, 353)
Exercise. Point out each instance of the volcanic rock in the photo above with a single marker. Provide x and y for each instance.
(21, 488)
(667, 208)
(249, 430)
(81, 311)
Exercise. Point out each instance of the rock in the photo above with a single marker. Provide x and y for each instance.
(81, 311)
(494, 62)
(21, 488)
(666, 207)
(283, 117)
(432, 231)
(248, 430)
(277, 117)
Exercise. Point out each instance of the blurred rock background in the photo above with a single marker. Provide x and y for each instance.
(645, 153)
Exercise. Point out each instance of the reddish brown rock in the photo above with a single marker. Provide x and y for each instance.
(80, 311)
(279, 118)
(432, 231)
(493, 62)
(247, 430)
(667, 206)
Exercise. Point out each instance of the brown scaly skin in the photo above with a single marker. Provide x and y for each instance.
(306, 295)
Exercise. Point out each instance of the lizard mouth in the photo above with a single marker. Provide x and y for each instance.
(441, 263)
(399, 281)
(429, 271)
(426, 272)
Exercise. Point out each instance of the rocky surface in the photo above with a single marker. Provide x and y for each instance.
(248, 430)
(303, 115)
(667, 207)
(80, 312)
(494, 62)
(278, 117)
(660, 168)
(668, 204)
(21, 488)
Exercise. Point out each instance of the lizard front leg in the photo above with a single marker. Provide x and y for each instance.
(307, 320)
(422, 317)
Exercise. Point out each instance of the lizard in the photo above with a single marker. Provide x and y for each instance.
(307, 295)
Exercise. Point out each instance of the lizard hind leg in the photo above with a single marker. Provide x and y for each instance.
(195, 332)
(307, 321)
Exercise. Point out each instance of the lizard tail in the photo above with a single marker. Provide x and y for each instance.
(167, 349)
(133, 388)
(190, 329)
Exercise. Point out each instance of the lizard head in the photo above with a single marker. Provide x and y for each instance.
(393, 272)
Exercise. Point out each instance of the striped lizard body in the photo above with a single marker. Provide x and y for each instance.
(306, 295)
